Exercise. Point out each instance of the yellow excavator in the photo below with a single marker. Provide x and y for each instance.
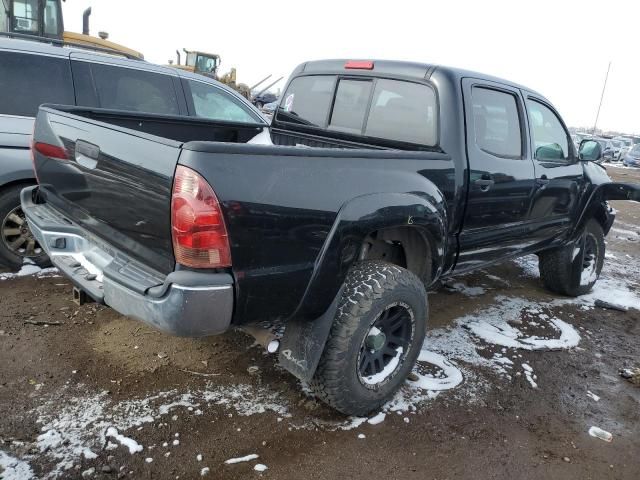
(207, 64)
(43, 19)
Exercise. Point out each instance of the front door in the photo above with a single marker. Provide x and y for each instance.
(501, 174)
(559, 173)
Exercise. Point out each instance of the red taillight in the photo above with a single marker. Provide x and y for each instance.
(359, 65)
(199, 234)
(51, 151)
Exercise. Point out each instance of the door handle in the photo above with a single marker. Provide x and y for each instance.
(485, 183)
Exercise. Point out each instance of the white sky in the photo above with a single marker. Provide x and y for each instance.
(559, 47)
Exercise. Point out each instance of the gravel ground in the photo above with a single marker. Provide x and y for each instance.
(510, 382)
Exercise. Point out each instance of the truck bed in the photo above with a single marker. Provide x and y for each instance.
(283, 222)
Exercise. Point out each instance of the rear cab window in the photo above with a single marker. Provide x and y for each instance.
(399, 111)
(29, 80)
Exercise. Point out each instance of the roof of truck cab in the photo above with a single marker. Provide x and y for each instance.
(417, 70)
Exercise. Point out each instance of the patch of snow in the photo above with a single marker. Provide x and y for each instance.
(28, 269)
(246, 458)
(593, 396)
(528, 373)
(379, 418)
(205, 471)
(529, 265)
(450, 378)
(362, 436)
(199, 457)
(492, 327)
(130, 443)
(260, 467)
(73, 429)
(13, 469)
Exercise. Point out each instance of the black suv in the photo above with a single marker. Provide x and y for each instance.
(33, 73)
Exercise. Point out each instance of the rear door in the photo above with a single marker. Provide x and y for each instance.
(501, 174)
(114, 182)
(559, 173)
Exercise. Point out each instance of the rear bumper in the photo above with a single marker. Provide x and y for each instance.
(184, 303)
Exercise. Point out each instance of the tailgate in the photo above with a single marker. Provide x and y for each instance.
(114, 182)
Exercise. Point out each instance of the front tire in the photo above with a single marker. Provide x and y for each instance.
(375, 338)
(574, 269)
(16, 240)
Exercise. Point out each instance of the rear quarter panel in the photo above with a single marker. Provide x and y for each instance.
(281, 204)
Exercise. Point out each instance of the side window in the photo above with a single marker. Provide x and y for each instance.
(24, 87)
(496, 122)
(550, 139)
(214, 103)
(404, 112)
(122, 88)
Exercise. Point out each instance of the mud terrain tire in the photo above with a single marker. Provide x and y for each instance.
(574, 269)
(392, 302)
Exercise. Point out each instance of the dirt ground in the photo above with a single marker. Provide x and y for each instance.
(77, 397)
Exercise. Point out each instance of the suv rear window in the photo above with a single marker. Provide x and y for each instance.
(393, 110)
(27, 81)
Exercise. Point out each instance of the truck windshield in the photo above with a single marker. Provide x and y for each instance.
(395, 110)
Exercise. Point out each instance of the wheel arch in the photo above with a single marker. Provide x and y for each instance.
(395, 214)
(598, 208)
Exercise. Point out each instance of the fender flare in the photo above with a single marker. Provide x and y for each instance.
(596, 204)
(308, 328)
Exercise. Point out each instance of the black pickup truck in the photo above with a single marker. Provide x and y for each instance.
(383, 178)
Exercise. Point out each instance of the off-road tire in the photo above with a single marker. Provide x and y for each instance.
(371, 288)
(10, 200)
(561, 270)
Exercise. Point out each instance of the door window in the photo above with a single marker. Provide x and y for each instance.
(550, 139)
(133, 90)
(27, 81)
(496, 122)
(214, 103)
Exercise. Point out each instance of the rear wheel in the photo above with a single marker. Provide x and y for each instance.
(16, 239)
(574, 269)
(375, 339)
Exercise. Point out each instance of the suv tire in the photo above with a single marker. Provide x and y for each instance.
(14, 230)
(375, 338)
(573, 269)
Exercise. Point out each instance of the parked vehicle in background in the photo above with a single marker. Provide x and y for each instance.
(385, 178)
(627, 144)
(270, 108)
(264, 98)
(616, 146)
(632, 158)
(32, 73)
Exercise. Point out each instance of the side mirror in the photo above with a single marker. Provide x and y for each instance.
(590, 151)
